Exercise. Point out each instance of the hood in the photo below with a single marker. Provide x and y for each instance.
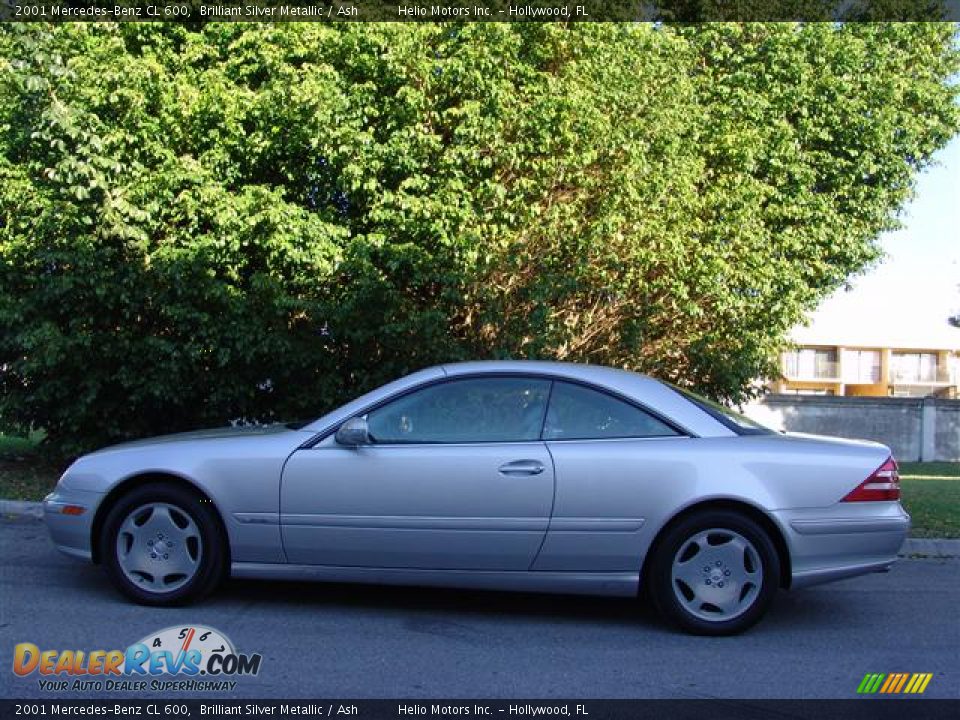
(210, 434)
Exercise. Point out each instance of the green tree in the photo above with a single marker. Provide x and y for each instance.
(237, 221)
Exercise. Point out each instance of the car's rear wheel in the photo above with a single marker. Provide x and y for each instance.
(714, 573)
(161, 545)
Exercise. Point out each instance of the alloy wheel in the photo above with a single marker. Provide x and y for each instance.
(717, 574)
(159, 547)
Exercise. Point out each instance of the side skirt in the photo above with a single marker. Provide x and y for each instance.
(577, 583)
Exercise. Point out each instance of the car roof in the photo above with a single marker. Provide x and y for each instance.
(637, 386)
(641, 388)
(575, 371)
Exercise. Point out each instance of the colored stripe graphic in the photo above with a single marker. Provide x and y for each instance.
(871, 683)
(907, 683)
(897, 685)
(903, 680)
(918, 683)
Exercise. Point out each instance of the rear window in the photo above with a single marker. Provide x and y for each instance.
(739, 423)
(581, 413)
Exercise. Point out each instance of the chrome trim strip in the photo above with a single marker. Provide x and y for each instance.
(257, 518)
(576, 524)
(423, 522)
(840, 526)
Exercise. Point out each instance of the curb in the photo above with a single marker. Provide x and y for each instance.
(912, 547)
(931, 548)
(21, 508)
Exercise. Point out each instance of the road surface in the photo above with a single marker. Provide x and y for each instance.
(380, 642)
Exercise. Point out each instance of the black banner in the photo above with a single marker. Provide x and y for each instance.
(716, 709)
(477, 10)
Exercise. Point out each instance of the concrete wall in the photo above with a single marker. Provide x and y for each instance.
(914, 428)
(947, 431)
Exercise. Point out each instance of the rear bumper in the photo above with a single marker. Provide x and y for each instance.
(818, 576)
(71, 533)
(843, 541)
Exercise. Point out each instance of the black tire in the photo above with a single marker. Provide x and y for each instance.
(666, 591)
(210, 551)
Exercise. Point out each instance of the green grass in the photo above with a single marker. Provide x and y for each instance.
(27, 480)
(10, 445)
(930, 470)
(931, 494)
(24, 473)
(931, 491)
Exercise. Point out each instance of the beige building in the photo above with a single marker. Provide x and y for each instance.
(872, 360)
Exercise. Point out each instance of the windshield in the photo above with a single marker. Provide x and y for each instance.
(739, 423)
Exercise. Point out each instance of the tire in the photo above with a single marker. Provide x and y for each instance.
(715, 572)
(162, 545)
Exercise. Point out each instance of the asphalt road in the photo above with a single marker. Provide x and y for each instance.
(367, 642)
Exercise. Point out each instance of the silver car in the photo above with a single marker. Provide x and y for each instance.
(510, 475)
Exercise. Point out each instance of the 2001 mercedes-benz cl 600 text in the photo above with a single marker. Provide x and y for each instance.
(495, 475)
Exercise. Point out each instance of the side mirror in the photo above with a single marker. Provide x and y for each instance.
(353, 432)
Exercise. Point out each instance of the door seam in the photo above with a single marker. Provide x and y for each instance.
(553, 504)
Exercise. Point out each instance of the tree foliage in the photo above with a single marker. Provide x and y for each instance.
(235, 221)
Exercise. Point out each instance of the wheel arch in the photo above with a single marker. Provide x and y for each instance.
(134, 481)
(735, 505)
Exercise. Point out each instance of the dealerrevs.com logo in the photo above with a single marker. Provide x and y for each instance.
(200, 658)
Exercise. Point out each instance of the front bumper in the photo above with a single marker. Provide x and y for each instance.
(843, 541)
(71, 532)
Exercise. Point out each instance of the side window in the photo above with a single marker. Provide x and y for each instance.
(471, 410)
(579, 413)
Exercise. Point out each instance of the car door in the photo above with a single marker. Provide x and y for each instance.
(455, 477)
(617, 467)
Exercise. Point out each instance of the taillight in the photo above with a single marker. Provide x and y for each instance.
(884, 484)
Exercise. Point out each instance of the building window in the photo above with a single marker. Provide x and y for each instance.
(810, 363)
(861, 367)
(914, 368)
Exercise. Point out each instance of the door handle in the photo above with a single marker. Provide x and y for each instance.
(521, 467)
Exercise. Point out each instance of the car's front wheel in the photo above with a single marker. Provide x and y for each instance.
(161, 545)
(714, 573)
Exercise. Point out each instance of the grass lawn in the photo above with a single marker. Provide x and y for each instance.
(22, 480)
(16, 445)
(931, 491)
(24, 475)
(931, 494)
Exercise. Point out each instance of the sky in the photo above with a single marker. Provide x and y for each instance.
(907, 297)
